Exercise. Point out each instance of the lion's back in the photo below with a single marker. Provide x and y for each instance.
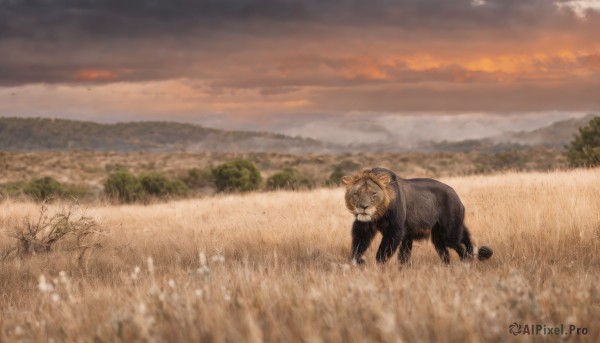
(430, 199)
(431, 185)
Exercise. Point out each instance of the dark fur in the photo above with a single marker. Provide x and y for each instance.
(420, 208)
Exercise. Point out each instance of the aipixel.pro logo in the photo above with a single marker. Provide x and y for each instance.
(546, 330)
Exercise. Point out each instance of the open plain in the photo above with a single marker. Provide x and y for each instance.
(275, 267)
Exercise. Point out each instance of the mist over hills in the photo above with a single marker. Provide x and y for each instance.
(554, 135)
(37, 134)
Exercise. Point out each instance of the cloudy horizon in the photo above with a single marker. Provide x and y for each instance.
(336, 69)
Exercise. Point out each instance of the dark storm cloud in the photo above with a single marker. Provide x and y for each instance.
(136, 17)
(56, 38)
(316, 52)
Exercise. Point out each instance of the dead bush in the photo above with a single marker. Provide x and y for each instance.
(70, 228)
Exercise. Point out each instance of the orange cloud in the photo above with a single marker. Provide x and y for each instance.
(364, 69)
(591, 61)
(95, 75)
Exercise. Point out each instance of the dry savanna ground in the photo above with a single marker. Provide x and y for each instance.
(274, 267)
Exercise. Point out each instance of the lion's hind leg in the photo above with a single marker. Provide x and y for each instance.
(460, 250)
(482, 253)
(439, 242)
(462, 245)
(466, 241)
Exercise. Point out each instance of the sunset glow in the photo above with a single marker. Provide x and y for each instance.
(308, 58)
(95, 75)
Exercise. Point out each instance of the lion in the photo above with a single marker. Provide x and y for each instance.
(404, 210)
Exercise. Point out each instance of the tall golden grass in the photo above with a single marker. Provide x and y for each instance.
(275, 267)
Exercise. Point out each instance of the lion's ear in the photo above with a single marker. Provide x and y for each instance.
(384, 179)
(347, 180)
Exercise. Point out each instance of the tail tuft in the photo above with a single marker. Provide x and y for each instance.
(484, 253)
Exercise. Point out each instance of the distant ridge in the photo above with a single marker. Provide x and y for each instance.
(40, 134)
(35, 134)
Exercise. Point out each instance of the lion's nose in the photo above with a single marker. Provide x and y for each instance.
(364, 207)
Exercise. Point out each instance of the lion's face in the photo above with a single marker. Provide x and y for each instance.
(366, 197)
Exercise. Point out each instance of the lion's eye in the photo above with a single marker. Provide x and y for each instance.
(374, 195)
(354, 196)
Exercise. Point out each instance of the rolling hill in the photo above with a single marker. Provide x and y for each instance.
(36, 134)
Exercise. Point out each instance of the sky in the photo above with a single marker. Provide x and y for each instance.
(328, 69)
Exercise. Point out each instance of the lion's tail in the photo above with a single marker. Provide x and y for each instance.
(482, 253)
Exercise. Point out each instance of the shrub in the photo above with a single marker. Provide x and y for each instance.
(123, 186)
(126, 187)
(585, 148)
(289, 178)
(158, 185)
(154, 184)
(237, 175)
(178, 188)
(44, 188)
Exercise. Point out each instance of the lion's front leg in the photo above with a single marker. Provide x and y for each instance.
(405, 250)
(389, 244)
(362, 235)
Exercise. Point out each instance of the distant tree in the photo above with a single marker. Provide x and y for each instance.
(585, 148)
(289, 178)
(237, 175)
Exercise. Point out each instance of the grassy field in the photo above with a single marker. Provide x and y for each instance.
(275, 267)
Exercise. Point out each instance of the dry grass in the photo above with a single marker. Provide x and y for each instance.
(274, 267)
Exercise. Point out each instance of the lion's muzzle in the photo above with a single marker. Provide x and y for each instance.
(364, 214)
(363, 217)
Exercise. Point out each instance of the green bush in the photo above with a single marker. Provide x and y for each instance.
(585, 148)
(155, 184)
(237, 175)
(44, 188)
(178, 188)
(126, 187)
(289, 178)
(123, 186)
(158, 185)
